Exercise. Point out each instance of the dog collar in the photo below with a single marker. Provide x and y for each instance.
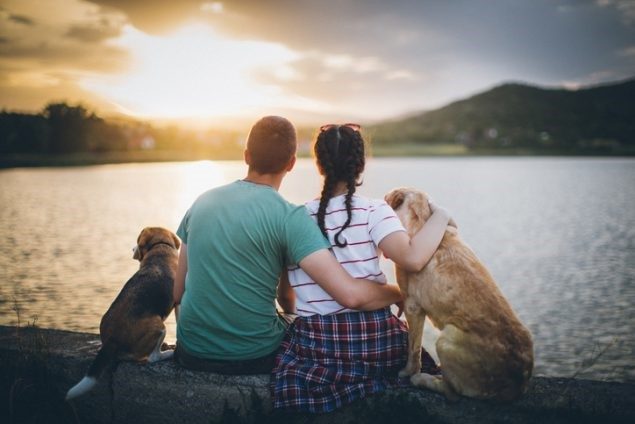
(161, 242)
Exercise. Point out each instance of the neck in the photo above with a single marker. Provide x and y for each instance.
(340, 188)
(271, 180)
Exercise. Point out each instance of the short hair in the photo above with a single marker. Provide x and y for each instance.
(271, 143)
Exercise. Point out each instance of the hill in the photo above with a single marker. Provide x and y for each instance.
(523, 118)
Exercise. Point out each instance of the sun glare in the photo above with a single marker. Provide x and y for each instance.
(193, 73)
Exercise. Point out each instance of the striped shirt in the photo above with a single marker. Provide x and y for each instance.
(371, 221)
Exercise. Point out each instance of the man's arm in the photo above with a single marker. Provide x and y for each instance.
(179, 279)
(286, 295)
(349, 292)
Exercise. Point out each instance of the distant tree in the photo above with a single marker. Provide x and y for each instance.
(67, 127)
(21, 133)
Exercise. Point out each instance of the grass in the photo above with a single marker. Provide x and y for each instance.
(27, 389)
(413, 149)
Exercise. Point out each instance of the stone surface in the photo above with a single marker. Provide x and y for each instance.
(38, 366)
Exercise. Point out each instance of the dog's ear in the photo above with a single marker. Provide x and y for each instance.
(136, 253)
(419, 206)
(142, 240)
(395, 198)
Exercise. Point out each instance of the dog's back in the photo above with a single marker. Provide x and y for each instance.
(485, 350)
(457, 290)
(147, 293)
(132, 328)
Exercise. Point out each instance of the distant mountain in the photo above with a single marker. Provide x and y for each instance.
(520, 117)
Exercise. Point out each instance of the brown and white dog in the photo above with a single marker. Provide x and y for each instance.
(484, 349)
(132, 328)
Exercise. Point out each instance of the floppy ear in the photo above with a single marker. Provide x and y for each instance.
(141, 242)
(395, 198)
(420, 206)
(136, 253)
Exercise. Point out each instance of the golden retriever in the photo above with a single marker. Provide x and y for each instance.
(132, 328)
(484, 349)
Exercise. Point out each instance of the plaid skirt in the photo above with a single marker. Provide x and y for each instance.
(326, 361)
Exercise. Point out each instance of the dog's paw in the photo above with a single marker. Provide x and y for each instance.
(435, 383)
(421, 379)
(407, 372)
(167, 354)
(160, 356)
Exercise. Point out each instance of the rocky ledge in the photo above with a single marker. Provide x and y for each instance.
(38, 366)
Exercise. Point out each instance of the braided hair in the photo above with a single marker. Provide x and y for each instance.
(340, 157)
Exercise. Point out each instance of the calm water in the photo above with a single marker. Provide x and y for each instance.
(558, 235)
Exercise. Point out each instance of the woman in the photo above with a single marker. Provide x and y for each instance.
(332, 355)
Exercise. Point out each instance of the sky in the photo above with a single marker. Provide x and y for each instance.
(313, 61)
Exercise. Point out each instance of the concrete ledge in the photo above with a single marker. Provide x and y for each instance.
(37, 366)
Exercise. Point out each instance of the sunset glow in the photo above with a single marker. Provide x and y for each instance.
(220, 63)
(194, 73)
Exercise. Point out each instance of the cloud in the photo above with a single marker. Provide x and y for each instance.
(44, 56)
(628, 52)
(5, 14)
(154, 17)
(91, 33)
(625, 7)
(24, 20)
(364, 57)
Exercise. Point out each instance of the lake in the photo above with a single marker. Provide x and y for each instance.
(558, 234)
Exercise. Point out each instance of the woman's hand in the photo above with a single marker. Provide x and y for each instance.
(436, 208)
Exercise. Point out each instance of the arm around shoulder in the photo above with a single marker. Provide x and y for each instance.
(413, 254)
(349, 292)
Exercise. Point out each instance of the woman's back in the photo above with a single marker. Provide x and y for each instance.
(371, 221)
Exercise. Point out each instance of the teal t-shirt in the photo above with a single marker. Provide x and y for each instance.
(239, 239)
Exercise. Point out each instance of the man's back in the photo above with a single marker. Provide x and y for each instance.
(239, 237)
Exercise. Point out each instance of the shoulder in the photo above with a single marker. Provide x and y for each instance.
(375, 205)
(312, 206)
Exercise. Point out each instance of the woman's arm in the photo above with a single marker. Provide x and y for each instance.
(286, 295)
(365, 295)
(179, 279)
(413, 254)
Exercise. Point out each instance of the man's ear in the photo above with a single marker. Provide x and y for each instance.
(291, 163)
(177, 241)
(247, 157)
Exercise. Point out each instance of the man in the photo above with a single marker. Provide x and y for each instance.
(237, 240)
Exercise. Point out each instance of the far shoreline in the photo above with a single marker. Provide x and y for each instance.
(157, 156)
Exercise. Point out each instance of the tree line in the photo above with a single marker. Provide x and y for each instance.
(65, 129)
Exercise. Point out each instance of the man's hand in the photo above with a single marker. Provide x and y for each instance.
(400, 308)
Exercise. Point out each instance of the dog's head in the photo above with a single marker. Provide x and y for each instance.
(152, 236)
(411, 206)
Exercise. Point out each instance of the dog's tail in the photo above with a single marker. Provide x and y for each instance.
(104, 359)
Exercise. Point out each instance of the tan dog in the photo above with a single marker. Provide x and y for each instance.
(484, 349)
(132, 328)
